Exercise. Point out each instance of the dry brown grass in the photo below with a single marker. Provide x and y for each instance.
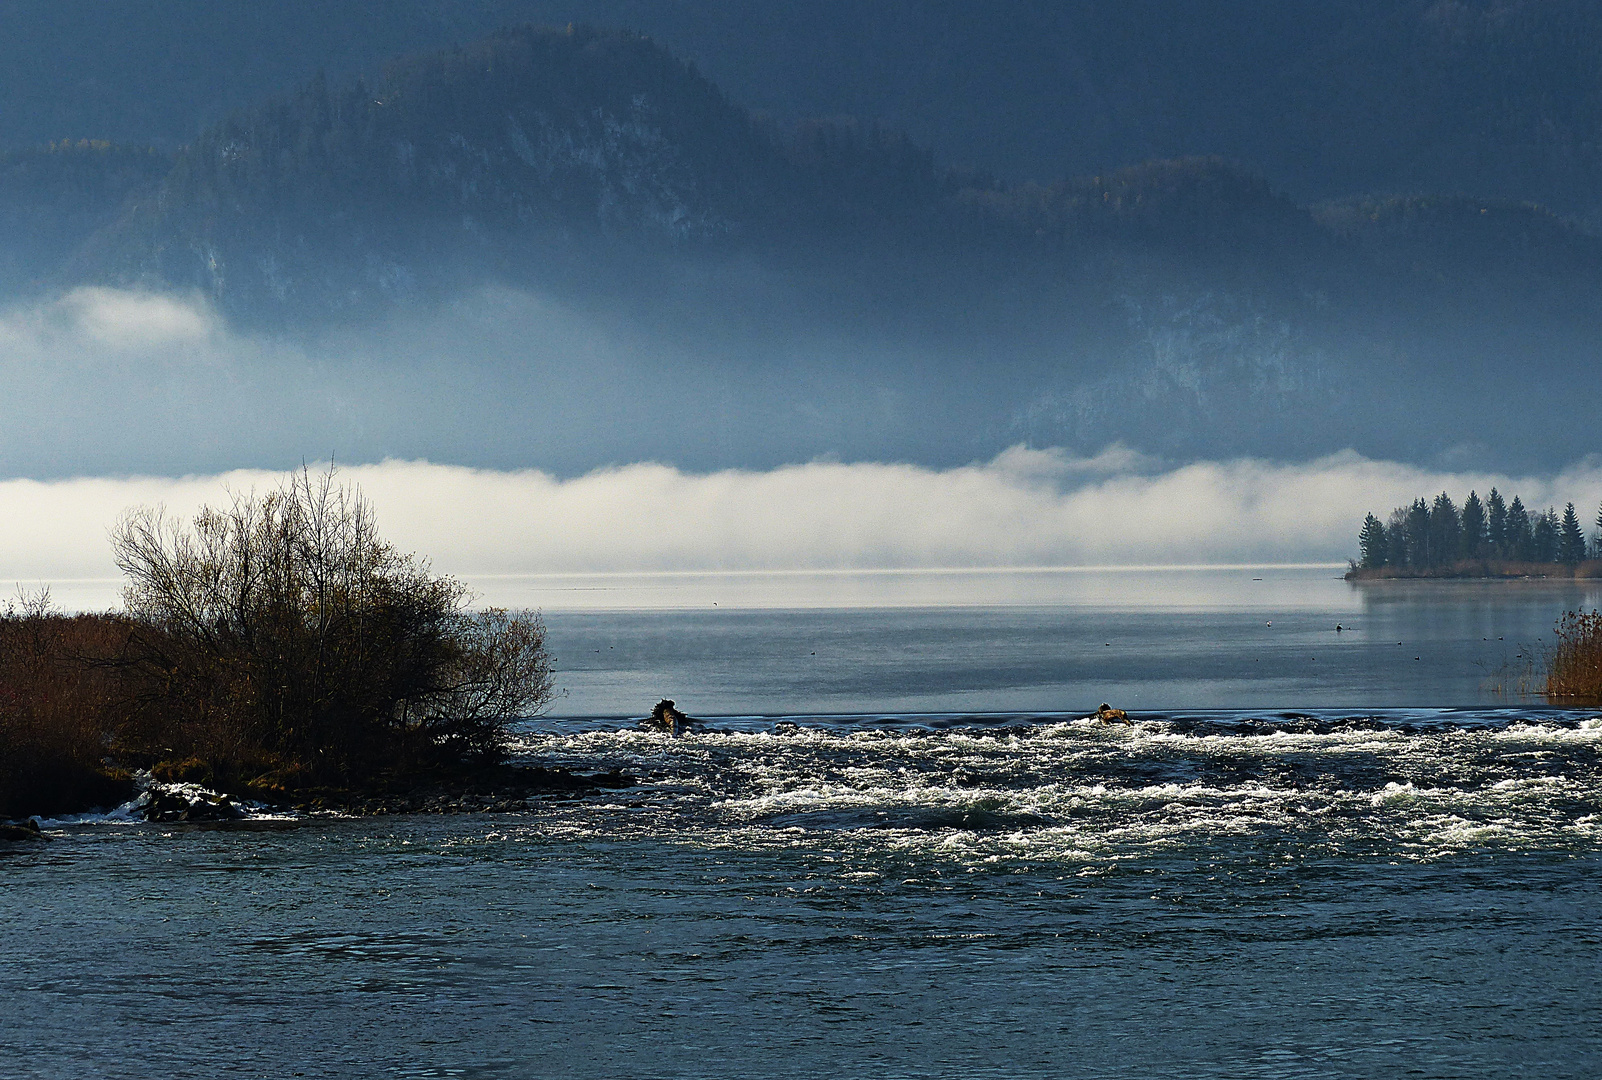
(1574, 671)
(58, 716)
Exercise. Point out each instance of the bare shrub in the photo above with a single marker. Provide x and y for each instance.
(283, 631)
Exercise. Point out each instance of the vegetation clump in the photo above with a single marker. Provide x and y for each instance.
(1574, 670)
(1485, 538)
(55, 710)
(273, 647)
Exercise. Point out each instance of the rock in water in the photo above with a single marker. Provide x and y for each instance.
(666, 717)
(186, 802)
(21, 832)
(1109, 715)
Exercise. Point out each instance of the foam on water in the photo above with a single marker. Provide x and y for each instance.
(132, 812)
(1214, 895)
(1415, 784)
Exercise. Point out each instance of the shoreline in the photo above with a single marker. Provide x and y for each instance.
(484, 789)
(1482, 570)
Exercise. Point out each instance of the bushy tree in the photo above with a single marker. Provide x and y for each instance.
(284, 624)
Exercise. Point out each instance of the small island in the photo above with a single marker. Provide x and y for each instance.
(1486, 538)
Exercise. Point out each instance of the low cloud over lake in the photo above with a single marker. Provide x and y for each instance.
(1023, 508)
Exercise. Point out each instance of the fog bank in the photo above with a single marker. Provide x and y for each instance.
(1024, 508)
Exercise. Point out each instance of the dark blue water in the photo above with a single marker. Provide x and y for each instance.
(1202, 894)
(939, 870)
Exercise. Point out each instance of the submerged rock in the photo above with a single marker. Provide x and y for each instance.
(666, 717)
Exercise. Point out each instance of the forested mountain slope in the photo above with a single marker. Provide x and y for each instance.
(1488, 98)
(1184, 306)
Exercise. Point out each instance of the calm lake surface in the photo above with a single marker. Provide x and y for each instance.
(1043, 641)
(1310, 855)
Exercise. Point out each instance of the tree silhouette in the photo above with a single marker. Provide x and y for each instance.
(1373, 543)
(1496, 523)
(1446, 531)
(1544, 536)
(1518, 540)
(1571, 538)
(1425, 536)
(1473, 527)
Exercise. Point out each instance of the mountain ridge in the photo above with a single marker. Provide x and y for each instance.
(1185, 304)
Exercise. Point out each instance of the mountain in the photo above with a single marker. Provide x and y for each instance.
(1494, 99)
(830, 286)
(53, 197)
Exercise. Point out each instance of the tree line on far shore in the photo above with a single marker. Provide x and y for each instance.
(1435, 534)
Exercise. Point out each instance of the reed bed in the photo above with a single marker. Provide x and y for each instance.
(1574, 671)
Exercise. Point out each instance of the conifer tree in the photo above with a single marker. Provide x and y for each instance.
(1473, 527)
(1496, 523)
(1418, 534)
(1372, 543)
(1518, 538)
(1544, 536)
(1446, 531)
(1571, 538)
(1396, 537)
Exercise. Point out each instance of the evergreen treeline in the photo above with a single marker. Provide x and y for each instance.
(1435, 534)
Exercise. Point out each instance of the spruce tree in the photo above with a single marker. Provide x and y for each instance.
(1418, 534)
(1396, 537)
(1473, 527)
(1518, 538)
(1544, 536)
(1372, 543)
(1446, 531)
(1496, 523)
(1571, 538)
